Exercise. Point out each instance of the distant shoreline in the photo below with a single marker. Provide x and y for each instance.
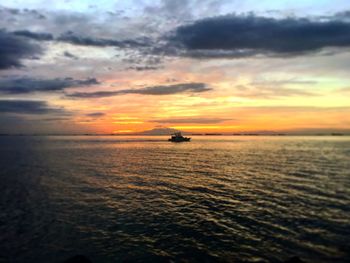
(189, 134)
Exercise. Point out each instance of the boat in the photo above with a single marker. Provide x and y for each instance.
(177, 137)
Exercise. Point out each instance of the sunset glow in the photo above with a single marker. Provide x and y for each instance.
(174, 131)
(89, 75)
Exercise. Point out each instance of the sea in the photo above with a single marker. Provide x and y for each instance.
(144, 199)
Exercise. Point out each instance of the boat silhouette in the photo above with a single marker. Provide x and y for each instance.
(177, 137)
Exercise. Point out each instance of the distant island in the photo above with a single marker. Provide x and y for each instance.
(165, 131)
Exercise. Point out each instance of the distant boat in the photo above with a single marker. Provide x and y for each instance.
(177, 137)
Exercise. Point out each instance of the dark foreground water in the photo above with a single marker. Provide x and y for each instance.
(143, 199)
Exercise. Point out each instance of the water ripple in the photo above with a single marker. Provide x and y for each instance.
(136, 199)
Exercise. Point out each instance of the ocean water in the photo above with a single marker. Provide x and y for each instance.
(143, 199)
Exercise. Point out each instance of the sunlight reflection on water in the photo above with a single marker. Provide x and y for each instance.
(135, 198)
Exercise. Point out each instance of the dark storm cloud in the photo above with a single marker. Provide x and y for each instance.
(343, 15)
(192, 120)
(77, 39)
(28, 85)
(56, 119)
(143, 68)
(72, 38)
(14, 48)
(96, 114)
(34, 35)
(240, 36)
(27, 107)
(98, 94)
(4, 11)
(217, 54)
(153, 90)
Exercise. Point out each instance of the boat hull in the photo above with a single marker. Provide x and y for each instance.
(179, 139)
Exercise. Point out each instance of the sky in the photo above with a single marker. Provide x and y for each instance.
(122, 67)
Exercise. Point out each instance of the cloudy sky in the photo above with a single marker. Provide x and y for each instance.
(115, 66)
